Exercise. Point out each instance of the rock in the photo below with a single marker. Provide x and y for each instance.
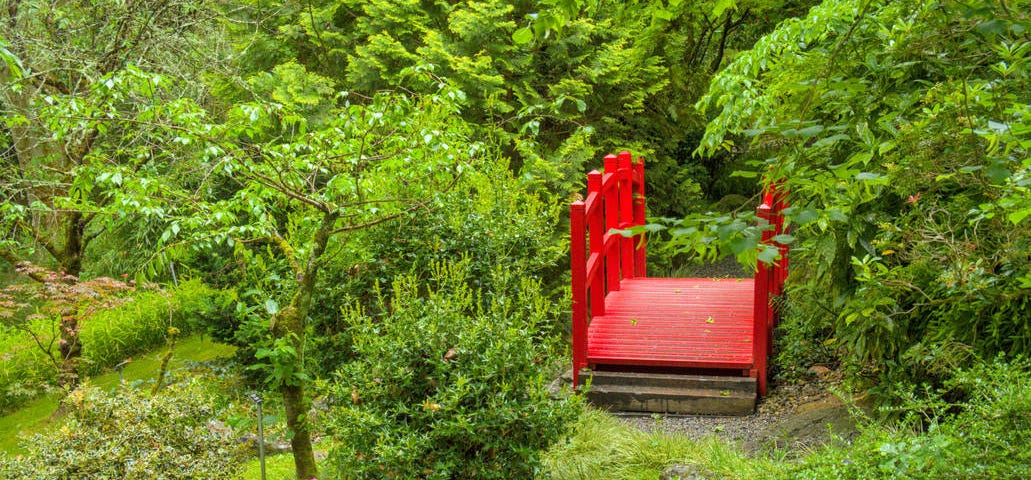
(685, 472)
(820, 371)
(813, 424)
(561, 387)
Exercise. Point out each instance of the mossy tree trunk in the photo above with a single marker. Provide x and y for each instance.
(291, 323)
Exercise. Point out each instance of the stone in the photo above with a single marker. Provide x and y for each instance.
(819, 370)
(685, 472)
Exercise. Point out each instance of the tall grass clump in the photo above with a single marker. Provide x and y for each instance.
(110, 336)
(601, 447)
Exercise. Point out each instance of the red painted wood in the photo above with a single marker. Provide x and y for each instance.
(626, 213)
(610, 191)
(637, 175)
(578, 253)
(675, 322)
(596, 230)
(621, 317)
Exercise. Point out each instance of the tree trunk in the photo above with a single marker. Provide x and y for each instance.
(71, 350)
(296, 420)
(291, 323)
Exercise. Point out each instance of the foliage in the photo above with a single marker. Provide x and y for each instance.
(900, 131)
(601, 447)
(550, 82)
(297, 187)
(62, 301)
(131, 435)
(447, 385)
(987, 438)
(111, 336)
(108, 336)
(84, 89)
(490, 218)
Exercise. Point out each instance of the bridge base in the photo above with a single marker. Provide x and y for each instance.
(671, 393)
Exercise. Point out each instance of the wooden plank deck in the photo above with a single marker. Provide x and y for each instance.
(675, 322)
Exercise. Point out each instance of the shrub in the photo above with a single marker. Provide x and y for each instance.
(25, 370)
(445, 386)
(131, 435)
(491, 218)
(983, 436)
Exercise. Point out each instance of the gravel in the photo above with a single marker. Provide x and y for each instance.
(797, 410)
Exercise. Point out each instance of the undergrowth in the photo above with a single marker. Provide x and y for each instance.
(976, 426)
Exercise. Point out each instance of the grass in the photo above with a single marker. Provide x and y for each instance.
(277, 467)
(35, 416)
(602, 448)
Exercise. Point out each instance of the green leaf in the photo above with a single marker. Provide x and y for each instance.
(271, 306)
(722, 6)
(522, 36)
(810, 132)
(1019, 215)
(869, 176)
(805, 216)
(768, 254)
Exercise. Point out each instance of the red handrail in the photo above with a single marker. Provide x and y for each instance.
(769, 282)
(600, 259)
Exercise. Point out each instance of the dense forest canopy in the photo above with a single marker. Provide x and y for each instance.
(299, 159)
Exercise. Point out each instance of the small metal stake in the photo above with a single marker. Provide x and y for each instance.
(119, 368)
(261, 433)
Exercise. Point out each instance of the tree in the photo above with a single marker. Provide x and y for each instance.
(901, 130)
(66, 111)
(62, 301)
(549, 82)
(298, 187)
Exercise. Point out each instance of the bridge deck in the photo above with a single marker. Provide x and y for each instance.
(675, 322)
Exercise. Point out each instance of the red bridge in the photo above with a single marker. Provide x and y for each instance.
(632, 325)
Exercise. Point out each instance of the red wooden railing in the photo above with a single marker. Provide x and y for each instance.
(600, 259)
(615, 200)
(769, 283)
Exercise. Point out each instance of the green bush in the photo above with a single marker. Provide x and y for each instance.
(447, 385)
(490, 218)
(25, 371)
(983, 436)
(131, 435)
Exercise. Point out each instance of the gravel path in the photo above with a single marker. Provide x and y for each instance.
(793, 416)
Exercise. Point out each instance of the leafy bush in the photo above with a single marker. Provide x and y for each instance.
(131, 435)
(25, 370)
(983, 436)
(907, 165)
(490, 218)
(447, 385)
